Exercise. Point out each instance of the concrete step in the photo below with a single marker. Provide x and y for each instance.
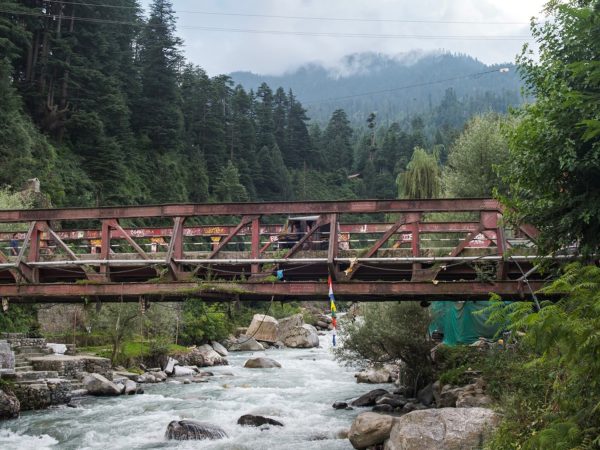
(34, 375)
(25, 368)
(33, 355)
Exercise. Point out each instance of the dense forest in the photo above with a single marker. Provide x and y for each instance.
(446, 89)
(99, 103)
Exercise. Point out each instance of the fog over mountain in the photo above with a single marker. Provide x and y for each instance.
(396, 86)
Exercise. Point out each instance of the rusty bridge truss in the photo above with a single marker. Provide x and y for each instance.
(445, 249)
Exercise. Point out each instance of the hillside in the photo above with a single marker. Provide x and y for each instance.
(315, 84)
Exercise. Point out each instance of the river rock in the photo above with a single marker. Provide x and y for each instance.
(210, 356)
(96, 384)
(170, 367)
(340, 405)
(130, 387)
(374, 376)
(183, 430)
(444, 428)
(370, 398)
(302, 337)
(219, 348)
(287, 323)
(246, 344)
(257, 421)
(9, 405)
(261, 363)
(160, 375)
(7, 358)
(397, 401)
(263, 328)
(425, 395)
(370, 429)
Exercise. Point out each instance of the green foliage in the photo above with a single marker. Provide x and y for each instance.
(390, 332)
(477, 151)
(203, 322)
(422, 178)
(19, 319)
(556, 383)
(553, 170)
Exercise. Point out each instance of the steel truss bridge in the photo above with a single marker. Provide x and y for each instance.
(375, 250)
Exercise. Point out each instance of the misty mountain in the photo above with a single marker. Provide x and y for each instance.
(397, 86)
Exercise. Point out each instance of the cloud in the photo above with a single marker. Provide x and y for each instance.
(298, 41)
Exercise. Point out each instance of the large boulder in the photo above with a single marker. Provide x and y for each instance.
(287, 323)
(261, 363)
(442, 429)
(246, 344)
(96, 384)
(210, 356)
(221, 350)
(9, 405)
(257, 421)
(183, 430)
(370, 429)
(425, 395)
(263, 328)
(305, 336)
(183, 371)
(370, 398)
(170, 366)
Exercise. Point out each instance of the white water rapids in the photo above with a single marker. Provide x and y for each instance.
(299, 395)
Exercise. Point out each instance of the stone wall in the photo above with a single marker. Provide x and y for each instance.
(17, 340)
(71, 366)
(60, 319)
(41, 395)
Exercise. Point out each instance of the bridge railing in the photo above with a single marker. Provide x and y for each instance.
(419, 242)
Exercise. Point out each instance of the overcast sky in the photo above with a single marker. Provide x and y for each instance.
(309, 32)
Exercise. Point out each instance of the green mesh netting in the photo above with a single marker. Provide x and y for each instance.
(458, 323)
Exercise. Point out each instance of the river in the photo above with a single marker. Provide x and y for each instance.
(299, 395)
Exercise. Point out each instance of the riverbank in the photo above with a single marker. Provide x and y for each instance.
(300, 395)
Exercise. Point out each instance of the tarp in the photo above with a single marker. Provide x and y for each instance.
(459, 324)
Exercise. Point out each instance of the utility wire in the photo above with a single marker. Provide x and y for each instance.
(276, 32)
(276, 16)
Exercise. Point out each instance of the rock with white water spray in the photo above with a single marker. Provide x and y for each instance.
(257, 421)
(221, 350)
(340, 405)
(261, 363)
(184, 430)
(370, 429)
(264, 328)
(444, 428)
(305, 336)
(183, 371)
(96, 384)
(370, 398)
(9, 405)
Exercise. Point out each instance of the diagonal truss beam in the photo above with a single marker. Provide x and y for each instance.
(382, 240)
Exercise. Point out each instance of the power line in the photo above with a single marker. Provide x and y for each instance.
(410, 86)
(280, 32)
(275, 16)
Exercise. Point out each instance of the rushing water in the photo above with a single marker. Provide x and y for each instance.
(299, 395)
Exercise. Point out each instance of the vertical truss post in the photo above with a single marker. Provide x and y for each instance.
(175, 250)
(332, 251)
(255, 243)
(502, 246)
(413, 220)
(105, 249)
(34, 251)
